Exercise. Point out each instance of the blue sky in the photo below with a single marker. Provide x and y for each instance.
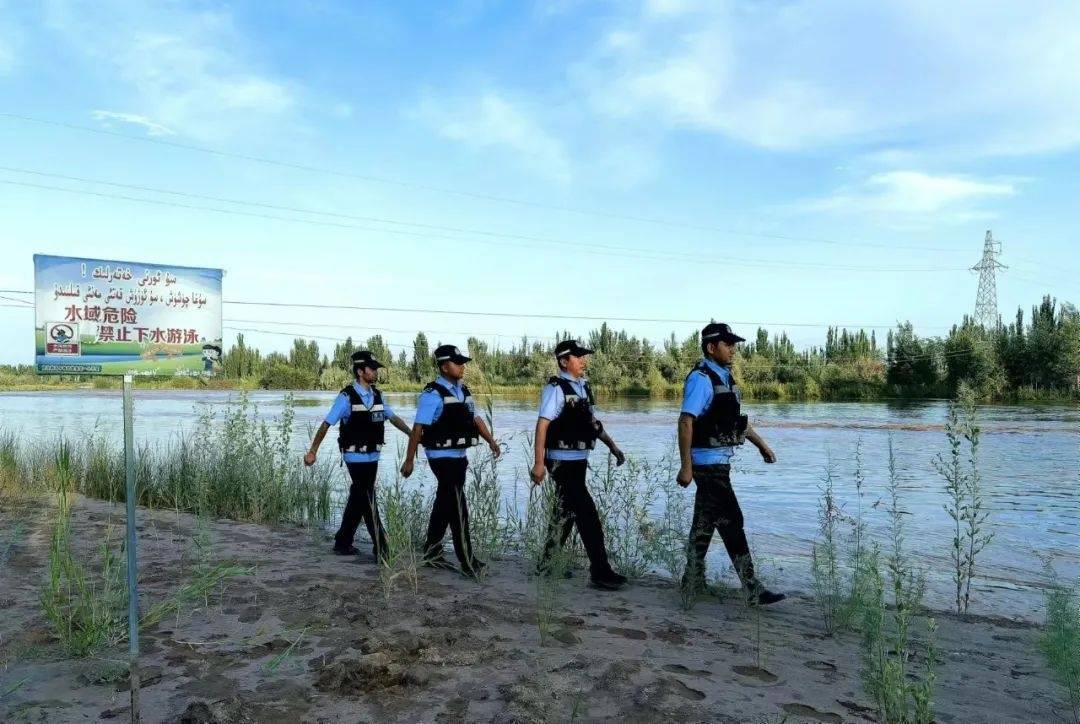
(794, 163)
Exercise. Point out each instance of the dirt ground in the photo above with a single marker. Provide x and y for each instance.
(312, 637)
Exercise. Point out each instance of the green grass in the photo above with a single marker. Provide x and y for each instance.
(963, 490)
(84, 598)
(234, 464)
(902, 692)
(839, 571)
(1060, 640)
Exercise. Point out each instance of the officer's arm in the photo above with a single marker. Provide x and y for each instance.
(696, 396)
(540, 441)
(482, 428)
(606, 439)
(766, 452)
(414, 441)
(426, 409)
(400, 424)
(313, 451)
(686, 435)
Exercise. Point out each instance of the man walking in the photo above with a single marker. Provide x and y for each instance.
(360, 414)
(711, 425)
(566, 431)
(447, 425)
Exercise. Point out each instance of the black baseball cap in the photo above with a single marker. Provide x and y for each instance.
(450, 353)
(719, 332)
(363, 358)
(571, 346)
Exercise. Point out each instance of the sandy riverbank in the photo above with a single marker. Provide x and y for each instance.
(458, 650)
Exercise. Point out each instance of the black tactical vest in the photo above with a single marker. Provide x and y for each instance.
(722, 424)
(574, 428)
(363, 430)
(456, 427)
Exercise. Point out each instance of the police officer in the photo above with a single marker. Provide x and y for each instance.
(447, 425)
(566, 431)
(360, 414)
(711, 425)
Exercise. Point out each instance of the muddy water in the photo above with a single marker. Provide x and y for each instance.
(1030, 462)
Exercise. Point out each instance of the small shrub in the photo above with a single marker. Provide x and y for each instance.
(901, 694)
(963, 486)
(1060, 640)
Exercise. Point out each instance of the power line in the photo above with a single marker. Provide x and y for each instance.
(18, 301)
(804, 364)
(525, 315)
(459, 192)
(536, 315)
(619, 252)
(296, 335)
(382, 329)
(381, 220)
(501, 335)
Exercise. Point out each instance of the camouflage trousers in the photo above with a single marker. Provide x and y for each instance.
(717, 509)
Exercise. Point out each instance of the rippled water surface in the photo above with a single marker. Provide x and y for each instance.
(1030, 461)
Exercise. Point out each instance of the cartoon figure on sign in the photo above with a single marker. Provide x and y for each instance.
(62, 333)
(211, 353)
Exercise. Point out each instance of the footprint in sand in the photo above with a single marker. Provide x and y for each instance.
(619, 610)
(753, 672)
(680, 669)
(680, 689)
(820, 665)
(809, 712)
(628, 633)
(857, 709)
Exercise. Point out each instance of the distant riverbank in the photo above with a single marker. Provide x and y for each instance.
(768, 393)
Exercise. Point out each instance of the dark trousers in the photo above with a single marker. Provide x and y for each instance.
(362, 505)
(717, 508)
(450, 509)
(574, 506)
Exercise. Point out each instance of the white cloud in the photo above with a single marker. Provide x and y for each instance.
(187, 70)
(491, 120)
(982, 78)
(913, 196)
(151, 128)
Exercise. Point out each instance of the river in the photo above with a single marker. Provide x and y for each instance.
(1029, 460)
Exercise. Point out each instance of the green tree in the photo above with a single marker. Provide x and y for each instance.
(423, 366)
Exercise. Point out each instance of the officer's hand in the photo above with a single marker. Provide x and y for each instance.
(496, 451)
(768, 455)
(685, 476)
(309, 458)
(619, 457)
(537, 473)
(406, 468)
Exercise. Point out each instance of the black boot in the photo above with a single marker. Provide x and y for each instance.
(760, 595)
(607, 580)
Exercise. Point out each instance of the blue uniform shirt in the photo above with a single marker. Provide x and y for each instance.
(429, 407)
(341, 410)
(552, 401)
(697, 396)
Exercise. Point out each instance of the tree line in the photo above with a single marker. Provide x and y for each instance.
(1031, 357)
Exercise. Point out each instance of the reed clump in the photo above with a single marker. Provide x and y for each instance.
(840, 563)
(901, 690)
(1060, 640)
(404, 510)
(85, 598)
(234, 464)
(964, 498)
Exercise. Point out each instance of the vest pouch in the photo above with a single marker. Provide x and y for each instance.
(733, 432)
